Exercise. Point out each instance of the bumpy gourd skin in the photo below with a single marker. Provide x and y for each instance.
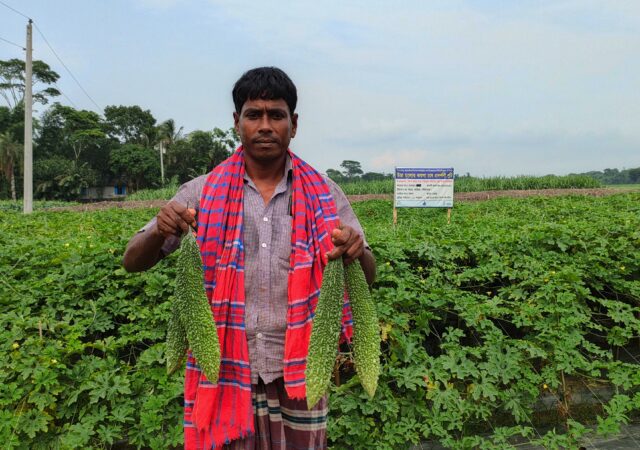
(366, 330)
(325, 332)
(177, 344)
(193, 309)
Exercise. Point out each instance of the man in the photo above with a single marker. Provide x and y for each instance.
(267, 224)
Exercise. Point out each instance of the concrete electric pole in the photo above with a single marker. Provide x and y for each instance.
(28, 118)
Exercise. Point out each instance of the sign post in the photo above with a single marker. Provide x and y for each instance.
(423, 188)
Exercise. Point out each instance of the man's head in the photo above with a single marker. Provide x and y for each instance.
(265, 100)
(265, 83)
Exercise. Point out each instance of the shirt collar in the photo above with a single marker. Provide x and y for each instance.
(286, 176)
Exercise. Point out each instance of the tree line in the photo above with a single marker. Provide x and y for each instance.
(615, 176)
(75, 149)
(352, 172)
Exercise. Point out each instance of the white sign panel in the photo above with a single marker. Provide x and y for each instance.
(423, 188)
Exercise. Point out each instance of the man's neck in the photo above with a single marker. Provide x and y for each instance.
(265, 172)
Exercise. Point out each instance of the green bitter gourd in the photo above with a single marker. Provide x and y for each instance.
(325, 332)
(193, 309)
(366, 330)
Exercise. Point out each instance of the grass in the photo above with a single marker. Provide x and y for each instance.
(624, 186)
(10, 205)
(474, 184)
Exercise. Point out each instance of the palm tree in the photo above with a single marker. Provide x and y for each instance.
(10, 151)
(167, 132)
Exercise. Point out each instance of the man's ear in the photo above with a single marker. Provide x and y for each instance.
(236, 120)
(294, 124)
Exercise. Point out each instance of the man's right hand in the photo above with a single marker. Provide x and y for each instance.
(174, 219)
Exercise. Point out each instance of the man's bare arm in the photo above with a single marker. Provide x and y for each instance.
(144, 249)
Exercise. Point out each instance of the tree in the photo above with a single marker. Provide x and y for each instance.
(62, 179)
(374, 176)
(224, 142)
(131, 125)
(68, 132)
(351, 169)
(12, 77)
(10, 152)
(136, 165)
(335, 175)
(167, 132)
(634, 175)
(200, 152)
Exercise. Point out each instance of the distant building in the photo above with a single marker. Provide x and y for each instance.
(109, 192)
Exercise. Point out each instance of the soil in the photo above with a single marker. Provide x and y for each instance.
(461, 196)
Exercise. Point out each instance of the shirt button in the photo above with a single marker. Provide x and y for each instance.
(266, 219)
(263, 245)
(259, 335)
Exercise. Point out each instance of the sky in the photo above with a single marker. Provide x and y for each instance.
(494, 87)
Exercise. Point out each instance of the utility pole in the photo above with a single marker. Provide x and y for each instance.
(161, 162)
(28, 119)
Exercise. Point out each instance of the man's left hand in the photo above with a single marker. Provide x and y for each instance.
(348, 244)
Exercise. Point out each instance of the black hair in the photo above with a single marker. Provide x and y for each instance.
(266, 83)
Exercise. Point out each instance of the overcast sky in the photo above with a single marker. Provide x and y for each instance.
(487, 87)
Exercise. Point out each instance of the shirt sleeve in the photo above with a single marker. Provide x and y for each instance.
(188, 195)
(345, 212)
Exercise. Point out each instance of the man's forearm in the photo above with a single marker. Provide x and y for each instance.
(143, 250)
(368, 263)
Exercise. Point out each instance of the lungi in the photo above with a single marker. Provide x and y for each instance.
(282, 423)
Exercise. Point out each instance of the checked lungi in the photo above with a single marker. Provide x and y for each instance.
(282, 423)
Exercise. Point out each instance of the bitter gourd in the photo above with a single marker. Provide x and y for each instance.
(193, 309)
(366, 330)
(325, 332)
(177, 344)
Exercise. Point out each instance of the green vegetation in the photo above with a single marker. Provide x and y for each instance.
(474, 184)
(165, 193)
(77, 149)
(10, 205)
(615, 176)
(461, 184)
(625, 186)
(514, 302)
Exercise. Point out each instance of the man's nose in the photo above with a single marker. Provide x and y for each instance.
(265, 124)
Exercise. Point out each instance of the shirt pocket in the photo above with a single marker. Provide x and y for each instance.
(281, 238)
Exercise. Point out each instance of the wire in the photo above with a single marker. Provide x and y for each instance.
(68, 99)
(12, 43)
(53, 51)
(65, 66)
(14, 10)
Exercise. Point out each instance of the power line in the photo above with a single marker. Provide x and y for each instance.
(55, 54)
(14, 10)
(12, 43)
(65, 66)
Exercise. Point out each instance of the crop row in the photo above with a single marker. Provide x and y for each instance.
(514, 302)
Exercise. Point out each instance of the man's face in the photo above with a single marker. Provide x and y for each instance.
(265, 128)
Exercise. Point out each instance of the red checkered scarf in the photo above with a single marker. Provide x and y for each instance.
(215, 414)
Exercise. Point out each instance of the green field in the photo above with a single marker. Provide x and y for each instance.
(513, 302)
(635, 187)
(462, 184)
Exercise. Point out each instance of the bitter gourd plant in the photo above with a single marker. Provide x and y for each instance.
(194, 313)
(366, 330)
(325, 332)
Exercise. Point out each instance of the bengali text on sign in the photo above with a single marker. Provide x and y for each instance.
(423, 188)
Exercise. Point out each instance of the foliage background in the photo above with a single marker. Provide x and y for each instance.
(515, 302)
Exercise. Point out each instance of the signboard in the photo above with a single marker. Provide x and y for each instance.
(423, 188)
